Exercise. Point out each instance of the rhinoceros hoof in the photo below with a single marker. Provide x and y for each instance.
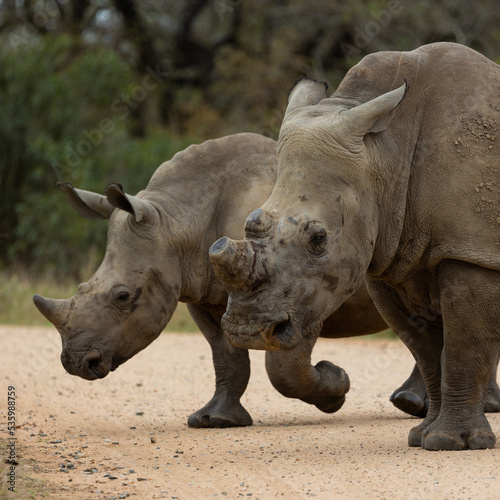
(410, 403)
(481, 441)
(441, 435)
(335, 383)
(217, 415)
(331, 405)
(333, 378)
(443, 441)
(416, 435)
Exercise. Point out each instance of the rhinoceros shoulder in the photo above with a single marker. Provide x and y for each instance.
(237, 154)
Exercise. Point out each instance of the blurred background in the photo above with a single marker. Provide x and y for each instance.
(100, 91)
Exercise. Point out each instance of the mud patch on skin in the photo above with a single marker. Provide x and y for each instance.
(135, 298)
(331, 281)
(478, 134)
(259, 274)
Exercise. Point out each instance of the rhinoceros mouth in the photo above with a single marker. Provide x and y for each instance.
(277, 334)
(95, 363)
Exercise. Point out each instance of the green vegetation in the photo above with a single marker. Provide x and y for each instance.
(104, 91)
(384, 335)
(64, 117)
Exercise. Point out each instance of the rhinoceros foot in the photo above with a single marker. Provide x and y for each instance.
(412, 397)
(479, 438)
(335, 381)
(453, 436)
(331, 405)
(410, 402)
(219, 414)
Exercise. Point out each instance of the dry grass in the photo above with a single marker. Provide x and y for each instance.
(17, 308)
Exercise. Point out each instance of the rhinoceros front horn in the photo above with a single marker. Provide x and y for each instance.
(229, 261)
(55, 310)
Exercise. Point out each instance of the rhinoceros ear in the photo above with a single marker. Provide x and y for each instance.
(90, 205)
(305, 92)
(372, 116)
(142, 211)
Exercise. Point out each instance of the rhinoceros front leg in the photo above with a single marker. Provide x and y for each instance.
(456, 353)
(423, 335)
(291, 373)
(469, 298)
(232, 372)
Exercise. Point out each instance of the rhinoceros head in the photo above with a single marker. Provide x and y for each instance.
(129, 300)
(306, 250)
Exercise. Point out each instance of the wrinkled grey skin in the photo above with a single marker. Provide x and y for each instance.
(402, 189)
(157, 254)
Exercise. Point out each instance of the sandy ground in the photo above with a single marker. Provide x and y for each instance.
(127, 436)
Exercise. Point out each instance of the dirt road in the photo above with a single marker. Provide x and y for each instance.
(126, 435)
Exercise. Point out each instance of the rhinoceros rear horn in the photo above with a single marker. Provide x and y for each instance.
(259, 222)
(142, 211)
(87, 204)
(305, 92)
(55, 310)
(228, 262)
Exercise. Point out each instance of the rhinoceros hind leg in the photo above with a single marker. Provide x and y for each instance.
(219, 414)
(492, 404)
(412, 397)
(410, 403)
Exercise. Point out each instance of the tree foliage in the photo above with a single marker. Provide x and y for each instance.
(67, 115)
(93, 91)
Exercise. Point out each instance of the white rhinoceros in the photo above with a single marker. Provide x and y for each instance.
(157, 254)
(404, 190)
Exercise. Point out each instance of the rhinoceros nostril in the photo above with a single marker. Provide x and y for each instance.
(93, 363)
(283, 332)
(93, 360)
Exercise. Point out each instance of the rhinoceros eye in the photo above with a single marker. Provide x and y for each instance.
(319, 238)
(123, 296)
(318, 242)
